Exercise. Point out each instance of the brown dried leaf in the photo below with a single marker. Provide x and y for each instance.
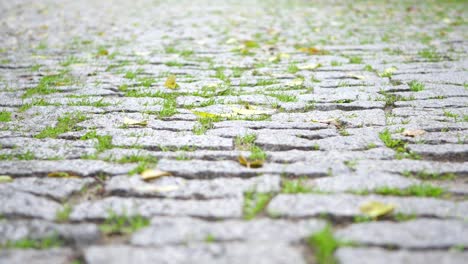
(413, 133)
(62, 174)
(152, 174)
(250, 164)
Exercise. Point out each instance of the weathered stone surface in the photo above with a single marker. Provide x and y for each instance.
(56, 188)
(190, 189)
(271, 253)
(361, 182)
(449, 152)
(81, 234)
(303, 205)
(315, 84)
(378, 255)
(216, 208)
(35, 256)
(17, 203)
(436, 233)
(165, 231)
(76, 167)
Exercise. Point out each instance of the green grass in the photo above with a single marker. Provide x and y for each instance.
(137, 158)
(295, 186)
(48, 84)
(335, 63)
(5, 116)
(88, 102)
(122, 224)
(64, 124)
(141, 167)
(254, 203)
(324, 245)
(146, 81)
(425, 175)
(103, 142)
(430, 55)
(133, 74)
(398, 145)
(416, 86)
(451, 115)
(355, 60)
(36, 102)
(284, 97)
(219, 73)
(245, 142)
(28, 155)
(293, 68)
(204, 124)
(257, 153)
(71, 60)
(237, 72)
(169, 108)
(421, 190)
(173, 64)
(40, 243)
(64, 214)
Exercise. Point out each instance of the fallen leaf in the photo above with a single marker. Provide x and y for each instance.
(249, 112)
(413, 133)
(62, 174)
(5, 179)
(332, 121)
(375, 209)
(295, 82)
(171, 82)
(231, 41)
(250, 164)
(388, 71)
(309, 67)
(355, 76)
(209, 115)
(151, 174)
(251, 44)
(133, 122)
(312, 50)
(156, 189)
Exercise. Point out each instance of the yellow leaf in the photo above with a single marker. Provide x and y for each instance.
(250, 164)
(132, 122)
(388, 71)
(209, 115)
(413, 133)
(309, 67)
(355, 76)
(295, 82)
(150, 174)
(171, 82)
(231, 41)
(375, 209)
(312, 50)
(62, 174)
(249, 112)
(5, 179)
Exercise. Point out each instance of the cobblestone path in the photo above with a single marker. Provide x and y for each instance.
(186, 131)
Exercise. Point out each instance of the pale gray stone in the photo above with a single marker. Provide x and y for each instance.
(436, 233)
(264, 253)
(383, 256)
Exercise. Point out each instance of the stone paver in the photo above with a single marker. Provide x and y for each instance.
(325, 100)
